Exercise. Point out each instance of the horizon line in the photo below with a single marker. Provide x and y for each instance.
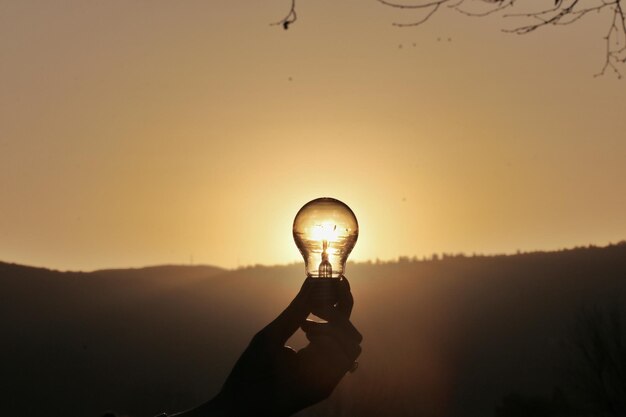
(400, 258)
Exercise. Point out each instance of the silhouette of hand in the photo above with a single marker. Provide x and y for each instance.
(271, 379)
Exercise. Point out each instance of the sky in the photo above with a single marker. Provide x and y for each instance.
(150, 132)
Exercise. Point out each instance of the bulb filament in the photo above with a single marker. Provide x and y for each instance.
(325, 269)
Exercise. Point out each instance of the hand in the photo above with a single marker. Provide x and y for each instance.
(271, 379)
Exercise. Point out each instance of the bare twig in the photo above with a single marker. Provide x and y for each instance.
(419, 22)
(435, 3)
(543, 21)
(289, 19)
(503, 5)
(616, 36)
(432, 5)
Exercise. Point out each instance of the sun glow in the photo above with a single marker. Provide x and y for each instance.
(326, 231)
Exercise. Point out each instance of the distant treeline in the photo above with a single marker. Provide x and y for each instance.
(445, 255)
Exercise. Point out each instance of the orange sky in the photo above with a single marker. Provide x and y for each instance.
(146, 132)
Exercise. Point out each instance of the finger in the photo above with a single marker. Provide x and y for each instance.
(334, 354)
(287, 322)
(331, 314)
(342, 330)
(310, 325)
(345, 301)
(313, 334)
(351, 332)
(324, 371)
(321, 331)
(345, 327)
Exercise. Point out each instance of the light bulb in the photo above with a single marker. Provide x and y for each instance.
(325, 231)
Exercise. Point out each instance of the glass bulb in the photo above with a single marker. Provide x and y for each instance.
(325, 231)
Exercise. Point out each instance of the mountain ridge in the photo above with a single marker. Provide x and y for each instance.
(213, 269)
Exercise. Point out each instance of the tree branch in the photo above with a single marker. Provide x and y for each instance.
(562, 13)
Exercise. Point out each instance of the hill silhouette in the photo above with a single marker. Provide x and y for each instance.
(455, 336)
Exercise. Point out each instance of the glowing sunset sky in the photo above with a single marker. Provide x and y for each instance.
(144, 132)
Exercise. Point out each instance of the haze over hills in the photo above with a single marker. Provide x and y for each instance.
(455, 336)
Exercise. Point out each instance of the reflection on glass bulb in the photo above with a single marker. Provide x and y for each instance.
(325, 231)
